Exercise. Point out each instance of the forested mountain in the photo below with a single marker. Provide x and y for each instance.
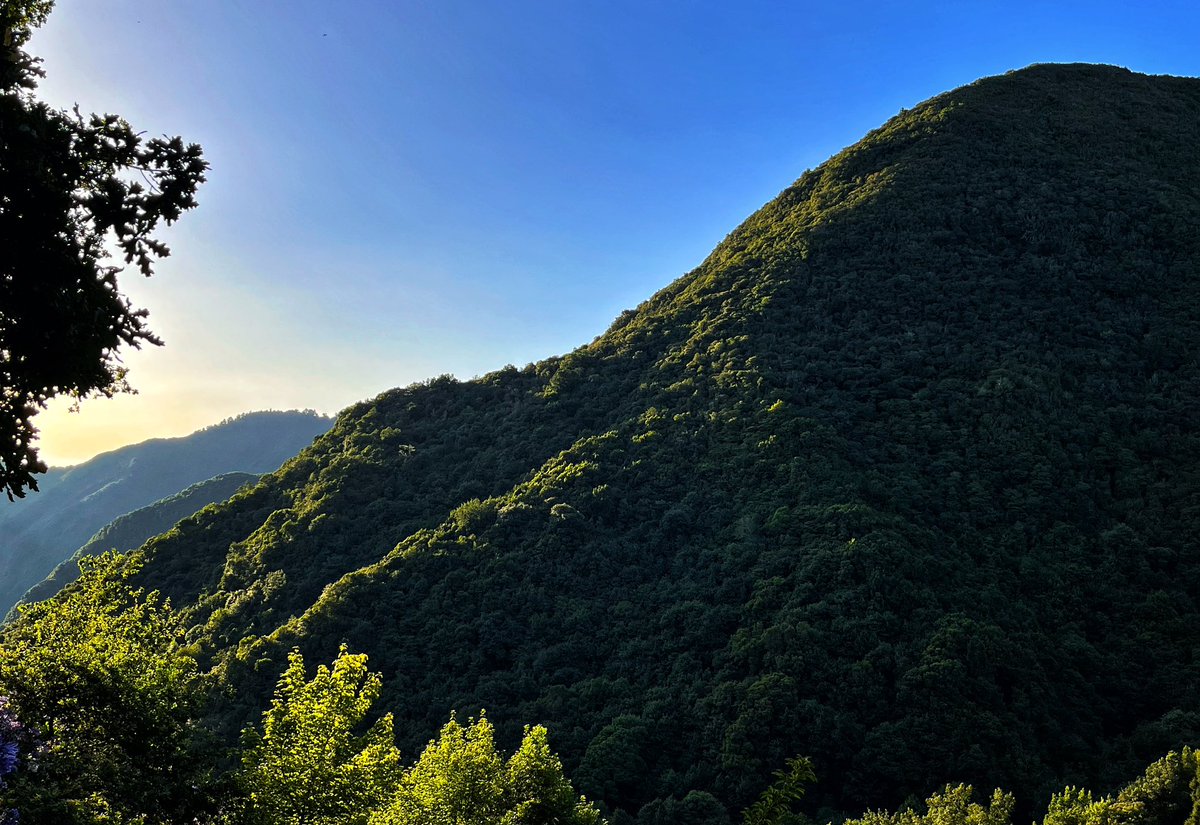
(130, 531)
(44, 528)
(904, 477)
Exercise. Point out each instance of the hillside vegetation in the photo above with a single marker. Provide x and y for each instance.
(904, 477)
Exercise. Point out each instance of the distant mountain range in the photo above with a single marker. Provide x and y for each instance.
(130, 531)
(43, 529)
(904, 477)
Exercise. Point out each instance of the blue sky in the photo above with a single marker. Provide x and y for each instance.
(401, 189)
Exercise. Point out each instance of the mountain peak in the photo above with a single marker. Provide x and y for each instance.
(902, 477)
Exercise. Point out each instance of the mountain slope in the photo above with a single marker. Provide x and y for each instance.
(905, 477)
(43, 529)
(129, 532)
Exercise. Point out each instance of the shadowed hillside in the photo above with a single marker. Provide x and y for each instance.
(904, 477)
(130, 531)
(43, 529)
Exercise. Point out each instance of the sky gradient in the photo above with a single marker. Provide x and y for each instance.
(401, 190)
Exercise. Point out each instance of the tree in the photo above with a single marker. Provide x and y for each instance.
(775, 805)
(697, 808)
(68, 185)
(951, 807)
(1168, 792)
(309, 765)
(535, 790)
(462, 779)
(100, 680)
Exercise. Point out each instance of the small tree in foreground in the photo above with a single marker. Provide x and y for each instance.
(309, 764)
(776, 805)
(462, 779)
(953, 806)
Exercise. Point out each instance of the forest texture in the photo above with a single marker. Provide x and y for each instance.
(903, 478)
(100, 726)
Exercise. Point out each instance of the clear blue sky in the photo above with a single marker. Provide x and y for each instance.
(402, 189)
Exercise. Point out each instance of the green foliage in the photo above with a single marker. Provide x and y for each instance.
(99, 676)
(696, 808)
(951, 807)
(309, 765)
(776, 805)
(65, 181)
(19, 17)
(613, 767)
(462, 779)
(1168, 792)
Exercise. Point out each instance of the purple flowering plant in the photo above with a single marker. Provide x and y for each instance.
(11, 731)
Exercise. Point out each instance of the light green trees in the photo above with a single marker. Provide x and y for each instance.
(776, 804)
(308, 765)
(99, 678)
(953, 806)
(461, 779)
(1168, 792)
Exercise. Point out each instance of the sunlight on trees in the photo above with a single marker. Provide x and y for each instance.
(309, 764)
(461, 778)
(98, 675)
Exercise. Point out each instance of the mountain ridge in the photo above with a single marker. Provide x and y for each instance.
(130, 531)
(903, 477)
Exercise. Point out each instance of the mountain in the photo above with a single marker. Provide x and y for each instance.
(43, 529)
(904, 477)
(129, 532)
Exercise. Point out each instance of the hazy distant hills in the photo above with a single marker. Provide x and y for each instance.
(130, 531)
(41, 530)
(904, 477)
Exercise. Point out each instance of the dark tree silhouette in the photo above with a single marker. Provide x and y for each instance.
(70, 185)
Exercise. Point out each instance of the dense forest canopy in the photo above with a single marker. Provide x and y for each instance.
(903, 478)
(99, 725)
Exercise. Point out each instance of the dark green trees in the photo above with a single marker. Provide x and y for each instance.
(902, 477)
(65, 185)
